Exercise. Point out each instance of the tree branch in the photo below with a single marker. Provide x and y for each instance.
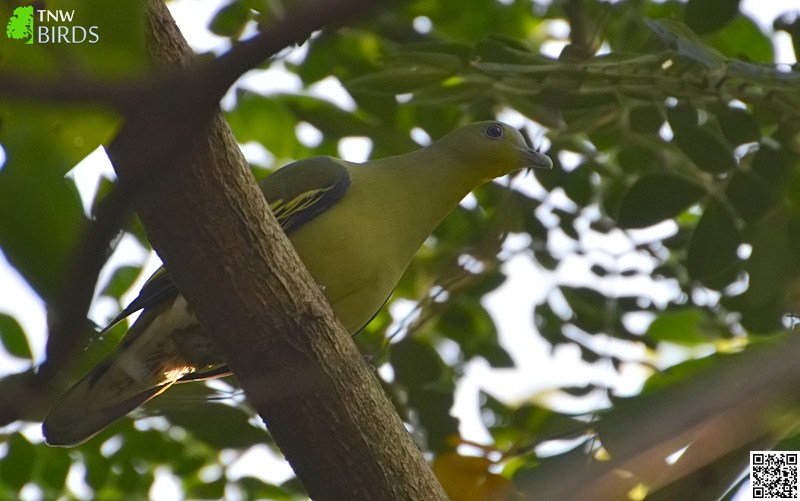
(719, 409)
(180, 71)
(298, 367)
(170, 108)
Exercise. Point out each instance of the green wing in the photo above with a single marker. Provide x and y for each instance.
(304, 189)
(296, 194)
(157, 288)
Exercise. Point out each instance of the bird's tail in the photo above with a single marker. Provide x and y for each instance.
(147, 362)
(86, 408)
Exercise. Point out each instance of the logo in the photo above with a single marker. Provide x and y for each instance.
(49, 27)
(20, 26)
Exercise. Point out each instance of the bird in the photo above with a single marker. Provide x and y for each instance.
(356, 228)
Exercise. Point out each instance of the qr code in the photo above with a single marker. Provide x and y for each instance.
(773, 475)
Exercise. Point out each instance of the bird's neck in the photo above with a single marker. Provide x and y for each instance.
(431, 184)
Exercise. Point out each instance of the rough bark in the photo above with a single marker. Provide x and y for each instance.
(298, 367)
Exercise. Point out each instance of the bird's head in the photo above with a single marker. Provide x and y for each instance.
(493, 148)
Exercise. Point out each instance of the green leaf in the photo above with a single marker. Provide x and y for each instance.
(683, 115)
(589, 307)
(705, 149)
(97, 470)
(774, 165)
(534, 110)
(121, 281)
(461, 228)
(646, 119)
(743, 39)
(468, 323)
(331, 120)
(207, 490)
(219, 425)
(708, 15)
(772, 270)
(344, 54)
(52, 466)
(420, 370)
(640, 159)
(579, 184)
(496, 355)
(738, 125)
(13, 337)
(230, 20)
(454, 90)
(18, 462)
(259, 489)
(680, 327)
(398, 80)
(415, 362)
(265, 120)
(42, 144)
(430, 58)
(713, 249)
(749, 194)
(656, 197)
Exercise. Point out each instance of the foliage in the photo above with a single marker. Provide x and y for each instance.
(670, 130)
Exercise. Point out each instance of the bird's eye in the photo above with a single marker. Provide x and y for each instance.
(494, 131)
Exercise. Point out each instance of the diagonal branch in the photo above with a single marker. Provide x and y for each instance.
(166, 113)
(297, 365)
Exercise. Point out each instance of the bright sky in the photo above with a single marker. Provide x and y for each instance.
(537, 370)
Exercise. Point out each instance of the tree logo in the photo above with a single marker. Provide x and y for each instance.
(20, 26)
(42, 26)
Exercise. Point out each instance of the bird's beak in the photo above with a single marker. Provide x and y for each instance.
(533, 158)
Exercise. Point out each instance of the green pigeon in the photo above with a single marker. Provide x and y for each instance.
(355, 226)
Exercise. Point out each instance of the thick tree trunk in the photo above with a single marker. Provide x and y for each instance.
(298, 367)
